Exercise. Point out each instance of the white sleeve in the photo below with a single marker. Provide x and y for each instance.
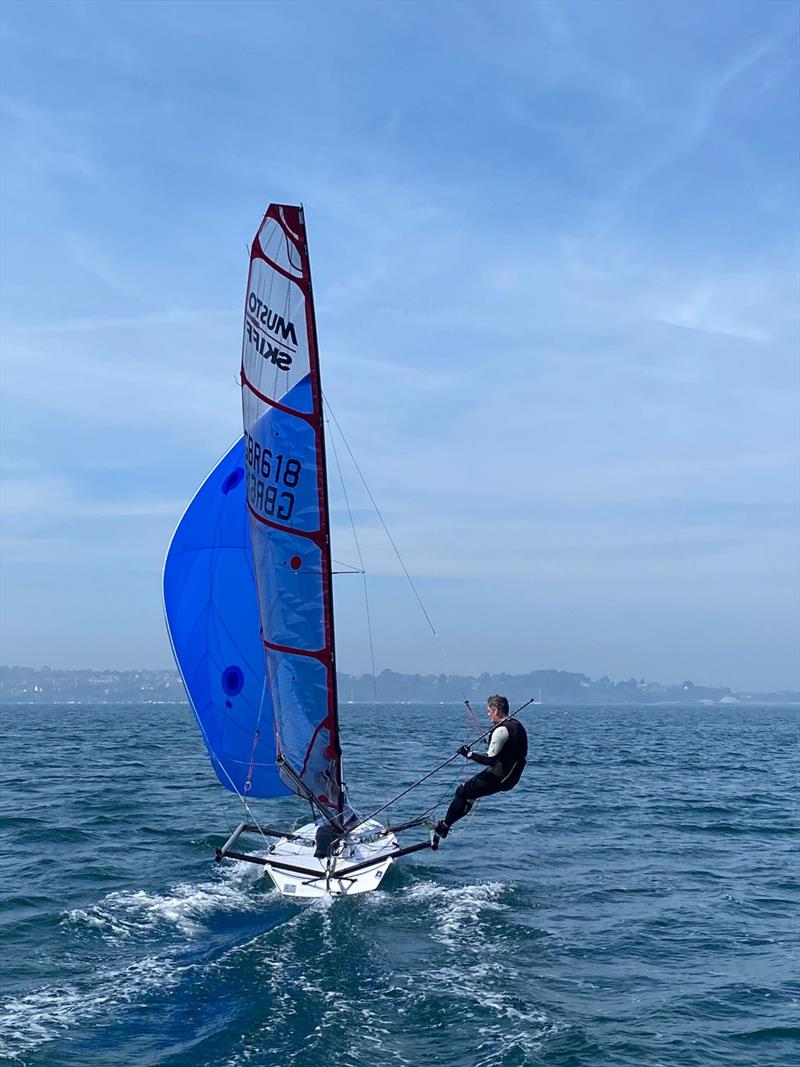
(499, 738)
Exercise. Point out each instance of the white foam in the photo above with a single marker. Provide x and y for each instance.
(124, 914)
(504, 1024)
(458, 909)
(498, 1042)
(457, 915)
(41, 1016)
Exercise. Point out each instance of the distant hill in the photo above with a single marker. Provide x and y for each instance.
(44, 686)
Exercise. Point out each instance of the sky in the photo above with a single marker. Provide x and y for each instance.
(555, 255)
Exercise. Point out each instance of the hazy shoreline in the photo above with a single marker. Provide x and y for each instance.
(29, 685)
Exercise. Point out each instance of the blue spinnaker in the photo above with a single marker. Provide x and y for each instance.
(212, 615)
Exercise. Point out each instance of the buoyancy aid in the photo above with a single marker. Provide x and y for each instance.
(509, 762)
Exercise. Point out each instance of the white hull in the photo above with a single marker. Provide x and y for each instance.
(314, 877)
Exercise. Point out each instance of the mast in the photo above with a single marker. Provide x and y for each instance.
(325, 521)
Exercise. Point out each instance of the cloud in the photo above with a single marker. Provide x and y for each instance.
(127, 373)
(41, 498)
(692, 124)
(48, 143)
(562, 351)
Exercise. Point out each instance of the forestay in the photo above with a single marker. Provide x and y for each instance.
(288, 507)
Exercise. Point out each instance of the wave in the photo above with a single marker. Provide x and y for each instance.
(32, 1019)
(124, 914)
(28, 1021)
(339, 991)
(458, 909)
(769, 1033)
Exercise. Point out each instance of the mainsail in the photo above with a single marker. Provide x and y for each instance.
(288, 507)
(212, 618)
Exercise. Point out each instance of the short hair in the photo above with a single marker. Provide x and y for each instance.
(498, 703)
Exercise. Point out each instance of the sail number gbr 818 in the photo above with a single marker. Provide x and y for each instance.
(270, 481)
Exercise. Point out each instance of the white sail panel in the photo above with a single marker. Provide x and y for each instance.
(275, 343)
(278, 244)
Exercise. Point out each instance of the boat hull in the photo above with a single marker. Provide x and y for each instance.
(358, 866)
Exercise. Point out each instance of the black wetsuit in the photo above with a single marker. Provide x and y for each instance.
(502, 773)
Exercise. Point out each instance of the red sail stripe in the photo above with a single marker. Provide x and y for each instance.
(257, 252)
(306, 416)
(325, 724)
(312, 535)
(323, 656)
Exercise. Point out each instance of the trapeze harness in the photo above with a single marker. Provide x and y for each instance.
(504, 761)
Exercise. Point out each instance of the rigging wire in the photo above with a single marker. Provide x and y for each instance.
(380, 516)
(442, 644)
(423, 816)
(348, 568)
(358, 552)
(442, 765)
(221, 765)
(472, 714)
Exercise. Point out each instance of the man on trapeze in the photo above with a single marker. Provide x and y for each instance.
(504, 762)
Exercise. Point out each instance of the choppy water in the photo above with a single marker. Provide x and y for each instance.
(633, 902)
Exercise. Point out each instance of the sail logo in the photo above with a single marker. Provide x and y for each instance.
(264, 347)
(269, 333)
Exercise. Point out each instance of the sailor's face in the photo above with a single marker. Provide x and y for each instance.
(493, 713)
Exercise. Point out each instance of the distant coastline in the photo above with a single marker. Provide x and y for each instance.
(44, 685)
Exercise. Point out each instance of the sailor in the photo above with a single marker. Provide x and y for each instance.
(504, 762)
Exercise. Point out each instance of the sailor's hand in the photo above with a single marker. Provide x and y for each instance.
(465, 752)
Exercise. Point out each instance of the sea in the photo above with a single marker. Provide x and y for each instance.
(633, 902)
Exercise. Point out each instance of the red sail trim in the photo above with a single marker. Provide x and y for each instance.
(327, 577)
(257, 252)
(285, 225)
(306, 416)
(324, 725)
(312, 535)
(323, 656)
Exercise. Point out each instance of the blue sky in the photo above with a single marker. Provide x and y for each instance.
(555, 258)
